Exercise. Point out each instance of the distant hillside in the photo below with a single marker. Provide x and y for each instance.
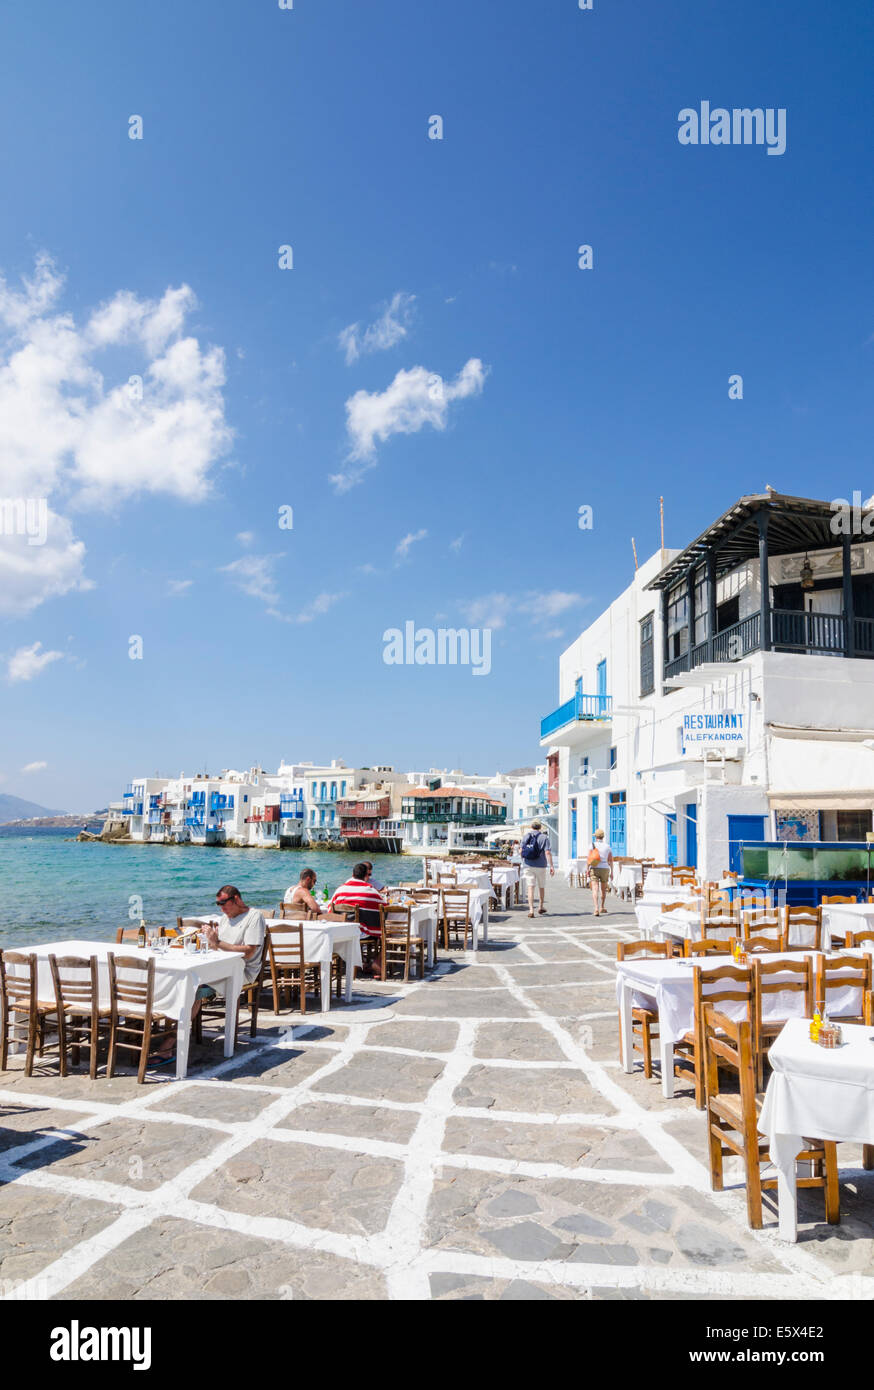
(16, 808)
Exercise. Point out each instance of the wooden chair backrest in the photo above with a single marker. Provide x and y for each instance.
(395, 921)
(130, 933)
(802, 926)
(672, 907)
(718, 897)
(70, 987)
(836, 898)
(728, 1043)
(662, 949)
(854, 939)
(706, 946)
(294, 912)
(347, 911)
(761, 943)
(769, 977)
(761, 924)
(19, 988)
(284, 946)
(456, 902)
(722, 929)
(760, 901)
(723, 984)
(140, 990)
(841, 972)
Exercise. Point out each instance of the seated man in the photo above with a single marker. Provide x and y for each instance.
(302, 894)
(374, 883)
(242, 931)
(357, 892)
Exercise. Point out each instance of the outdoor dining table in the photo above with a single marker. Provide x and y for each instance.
(815, 1093)
(657, 878)
(839, 918)
(321, 939)
(627, 877)
(178, 974)
(470, 878)
(424, 921)
(684, 924)
(650, 907)
(671, 983)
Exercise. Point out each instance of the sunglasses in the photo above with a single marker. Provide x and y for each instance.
(220, 902)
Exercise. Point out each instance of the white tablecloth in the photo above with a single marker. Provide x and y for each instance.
(678, 894)
(657, 878)
(471, 878)
(627, 877)
(815, 1093)
(506, 875)
(177, 977)
(576, 866)
(839, 918)
(682, 925)
(649, 911)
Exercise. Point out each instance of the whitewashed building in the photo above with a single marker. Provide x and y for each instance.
(706, 709)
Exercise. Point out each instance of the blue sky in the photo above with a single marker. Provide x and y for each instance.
(309, 128)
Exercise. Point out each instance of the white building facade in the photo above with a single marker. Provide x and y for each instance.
(704, 710)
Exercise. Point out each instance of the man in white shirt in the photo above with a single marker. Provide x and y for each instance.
(243, 931)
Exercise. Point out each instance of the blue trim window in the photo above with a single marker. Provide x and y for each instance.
(613, 762)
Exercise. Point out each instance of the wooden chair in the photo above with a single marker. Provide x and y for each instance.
(802, 927)
(732, 1117)
(790, 975)
(855, 939)
(289, 968)
(294, 912)
(19, 1006)
(758, 902)
(644, 1022)
(836, 898)
(706, 946)
(762, 927)
(397, 942)
(717, 900)
(718, 984)
(841, 972)
(131, 1004)
(249, 996)
(722, 929)
(456, 914)
(77, 1006)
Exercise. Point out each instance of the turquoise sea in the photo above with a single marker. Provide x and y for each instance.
(54, 887)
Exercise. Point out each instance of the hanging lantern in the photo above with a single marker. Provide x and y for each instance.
(806, 575)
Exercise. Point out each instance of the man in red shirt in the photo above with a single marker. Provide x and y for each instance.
(357, 892)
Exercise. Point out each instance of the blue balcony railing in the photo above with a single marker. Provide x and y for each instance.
(578, 707)
(291, 812)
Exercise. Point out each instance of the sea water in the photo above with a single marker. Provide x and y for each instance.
(56, 888)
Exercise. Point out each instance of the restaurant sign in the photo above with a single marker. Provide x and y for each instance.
(704, 732)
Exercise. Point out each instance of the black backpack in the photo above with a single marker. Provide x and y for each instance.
(532, 845)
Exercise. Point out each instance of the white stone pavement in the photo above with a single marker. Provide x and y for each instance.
(472, 1136)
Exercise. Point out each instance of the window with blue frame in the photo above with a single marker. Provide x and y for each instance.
(602, 677)
(342, 788)
(594, 814)
(612, 760)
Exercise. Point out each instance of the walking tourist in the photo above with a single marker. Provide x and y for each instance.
(536, 854)
(600, 862)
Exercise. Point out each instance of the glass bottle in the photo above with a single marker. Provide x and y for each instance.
(141, 935)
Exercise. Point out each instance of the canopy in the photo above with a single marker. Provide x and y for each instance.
(820, 774)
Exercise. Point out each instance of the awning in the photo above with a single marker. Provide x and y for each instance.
(808, 774)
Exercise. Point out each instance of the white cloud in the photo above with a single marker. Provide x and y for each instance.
(30, 574)
(402, 549)
(493, 610)
(34, 767)
(66, 428)
(28, 662)
(177, 587)
(253, 575)
(414, 399)
(458, 542)
(320, 605)
(245, 537)
(390, 328)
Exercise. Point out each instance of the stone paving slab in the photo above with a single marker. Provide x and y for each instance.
(356, 1121)
(378, 1075)
(142, 1156)
(528, 1042)
(20, 1123)
(37, 1227)
(179, 1259)
(538, 1091)
(331, 1189)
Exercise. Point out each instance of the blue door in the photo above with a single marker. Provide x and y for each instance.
(594, 815)
(573, 830)
(671, 855)
(602, 677)
(617, 827)
(692, 835)
(743, 830)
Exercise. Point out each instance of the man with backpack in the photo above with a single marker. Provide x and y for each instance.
(536, 854)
